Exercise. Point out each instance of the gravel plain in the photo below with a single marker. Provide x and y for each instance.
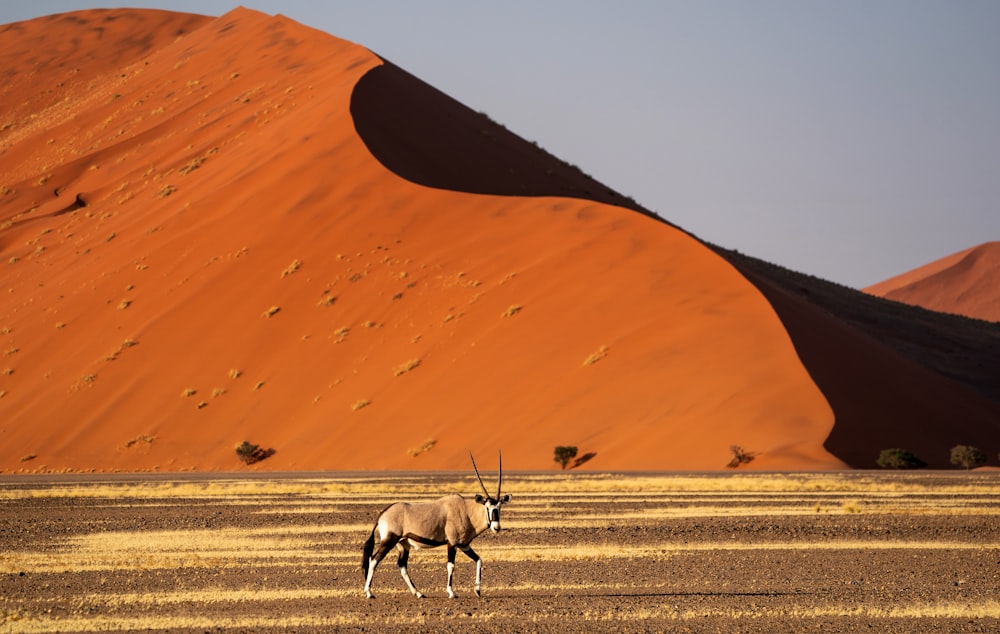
(727, 552)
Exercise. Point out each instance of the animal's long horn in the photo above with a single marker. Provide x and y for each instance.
(499, 472)
(487, 493)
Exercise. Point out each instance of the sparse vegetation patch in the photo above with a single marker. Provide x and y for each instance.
(597, 356)
(512, 310)
(423, 447)
(292, 268)
(250, 453)
(403, 368)
(142, 439)
(967, 457)
(898, 458)
(740, 457)
(564, 454)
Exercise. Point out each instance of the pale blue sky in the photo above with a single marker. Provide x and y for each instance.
(852, 139)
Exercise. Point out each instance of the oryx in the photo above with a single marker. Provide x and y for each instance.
(451, 521)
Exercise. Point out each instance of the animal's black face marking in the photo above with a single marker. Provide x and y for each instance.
(492, 507)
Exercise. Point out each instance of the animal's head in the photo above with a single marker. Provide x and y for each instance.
(490, 503)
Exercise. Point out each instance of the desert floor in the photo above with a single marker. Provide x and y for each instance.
(719, 552)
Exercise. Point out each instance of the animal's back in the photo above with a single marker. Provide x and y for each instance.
(425, 520)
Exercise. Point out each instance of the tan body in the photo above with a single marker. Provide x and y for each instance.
(451, 521)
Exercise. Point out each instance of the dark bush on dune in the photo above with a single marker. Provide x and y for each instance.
(899, 459)
(967, 457)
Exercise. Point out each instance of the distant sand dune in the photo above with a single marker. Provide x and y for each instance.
(964, 283)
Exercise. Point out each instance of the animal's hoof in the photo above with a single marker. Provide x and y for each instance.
(370, 595)
(419, 595)
(451, 595)
(478, 593)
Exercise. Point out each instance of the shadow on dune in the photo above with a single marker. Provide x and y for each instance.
(426, 137)
(895, 375)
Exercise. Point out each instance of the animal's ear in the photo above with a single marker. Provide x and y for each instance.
(480, 499)
(505, 499)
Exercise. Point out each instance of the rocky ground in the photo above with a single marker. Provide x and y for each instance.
(220, 553)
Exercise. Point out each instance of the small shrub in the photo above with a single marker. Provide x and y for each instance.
(597, 356)
(899, 459)
(564, 454)
(424, 447)
(740, 457)
(251, 453)
(511, 311)
(967, 457)
(852, 507)
(406, 367)
(291, 268)
(143, 438)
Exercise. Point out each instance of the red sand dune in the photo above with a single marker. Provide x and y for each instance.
(964, 283)
(239, 228)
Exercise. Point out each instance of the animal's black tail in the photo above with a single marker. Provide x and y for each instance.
(366, 554)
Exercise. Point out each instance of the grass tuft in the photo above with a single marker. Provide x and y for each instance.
(403, 368)
(597, 356)
(512, 310)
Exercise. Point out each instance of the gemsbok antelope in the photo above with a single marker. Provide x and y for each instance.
(451, 521)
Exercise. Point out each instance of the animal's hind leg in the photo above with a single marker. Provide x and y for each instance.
(404, 555)
(451, 570)
(381, 549)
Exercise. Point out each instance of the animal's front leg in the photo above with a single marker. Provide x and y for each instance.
(479, 567)
(451, 570)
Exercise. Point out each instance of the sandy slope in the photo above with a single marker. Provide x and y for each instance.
(964, 283)
(161, 200)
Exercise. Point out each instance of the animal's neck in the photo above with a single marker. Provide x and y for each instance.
(477, 513)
